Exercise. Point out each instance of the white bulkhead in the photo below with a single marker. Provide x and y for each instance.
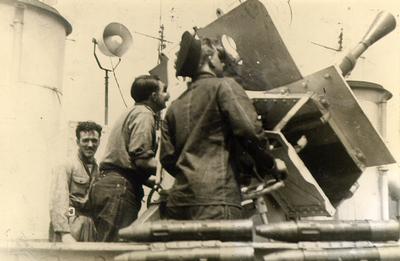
(31, 60)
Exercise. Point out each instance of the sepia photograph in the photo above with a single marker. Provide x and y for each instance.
(200, 130)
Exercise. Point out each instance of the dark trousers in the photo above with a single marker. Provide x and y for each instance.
(202, 212)
(115, 203)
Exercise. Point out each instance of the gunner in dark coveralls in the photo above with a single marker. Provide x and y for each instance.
(69, 211)
(129, 160)
(198, 135)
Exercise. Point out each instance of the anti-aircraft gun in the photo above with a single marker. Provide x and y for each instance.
(319, 107)
(317, 127)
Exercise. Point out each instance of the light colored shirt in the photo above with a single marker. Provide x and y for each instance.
(69, 188)
(132, 137)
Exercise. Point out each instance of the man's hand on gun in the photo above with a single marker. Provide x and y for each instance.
(280, 170)
(152, 183)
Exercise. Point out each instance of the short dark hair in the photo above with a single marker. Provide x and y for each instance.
(143, 86)
(87, 126)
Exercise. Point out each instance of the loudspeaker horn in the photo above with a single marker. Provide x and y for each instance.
(115, 40)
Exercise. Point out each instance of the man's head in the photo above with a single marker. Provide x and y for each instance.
(196, 56)
(88, 135)
(148, 89)
(210, 60)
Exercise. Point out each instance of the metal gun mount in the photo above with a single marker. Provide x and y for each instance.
(341, 141)
(321, 108)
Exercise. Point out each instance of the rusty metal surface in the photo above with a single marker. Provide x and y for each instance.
(266, 61)
(301, 196)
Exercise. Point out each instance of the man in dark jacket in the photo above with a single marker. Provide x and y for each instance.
(199, 132)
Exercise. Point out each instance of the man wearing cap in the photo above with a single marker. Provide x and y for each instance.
(199, 133)
(129, 160)
(69, 211)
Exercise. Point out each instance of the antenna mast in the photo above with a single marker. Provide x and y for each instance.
(161, 44)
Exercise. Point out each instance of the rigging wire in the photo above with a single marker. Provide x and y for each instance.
(153, 37)
(291, 12)
(116, 81)
(160, 49)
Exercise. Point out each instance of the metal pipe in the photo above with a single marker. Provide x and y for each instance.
(354, 230)
(398, 210)
(17, 24)
(105, 81)
(382, 170)
(215, 253)
(351, 254)
(389, 179)
(384, 192)
(106, 97)
(224, 230)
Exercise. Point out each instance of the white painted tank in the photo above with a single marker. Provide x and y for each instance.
(31, 60)
(371, 199)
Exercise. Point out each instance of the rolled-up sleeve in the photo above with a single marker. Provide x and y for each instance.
(59, 199)
(141, 143)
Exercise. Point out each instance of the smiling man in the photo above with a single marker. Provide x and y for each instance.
(69, 211)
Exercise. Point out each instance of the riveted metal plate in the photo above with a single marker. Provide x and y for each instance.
(346, 117)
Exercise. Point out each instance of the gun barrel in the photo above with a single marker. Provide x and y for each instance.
(345, 254)
(224, 230)
(223, 254)
(383, 24)
(362, 230)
